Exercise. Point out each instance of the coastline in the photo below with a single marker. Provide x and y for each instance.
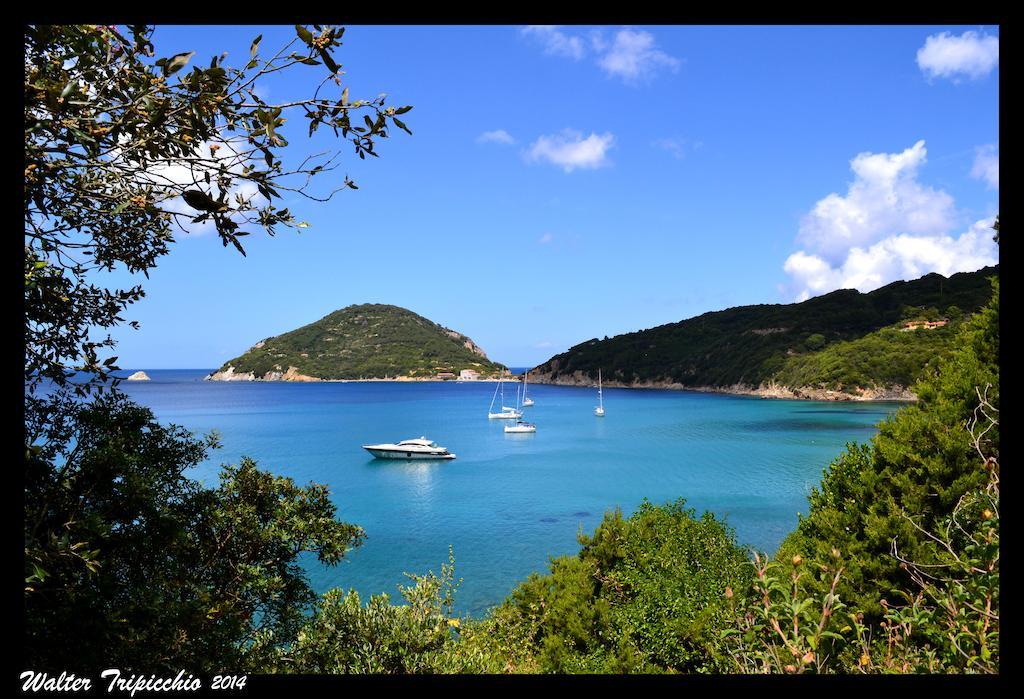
(768, 391)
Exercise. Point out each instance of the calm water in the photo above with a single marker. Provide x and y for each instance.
(508, 502)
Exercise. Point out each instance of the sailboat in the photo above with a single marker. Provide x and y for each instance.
(506, 412)
(527, 402)
(599, 410)
(521, 426)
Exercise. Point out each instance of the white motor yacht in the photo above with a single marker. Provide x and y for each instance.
(521, 427)
(421, 448)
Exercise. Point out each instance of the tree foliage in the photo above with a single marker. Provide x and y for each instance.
(344, 636)
(923, 462)
(646, 593)
(130, 563)
(943, 618)
(123, 150)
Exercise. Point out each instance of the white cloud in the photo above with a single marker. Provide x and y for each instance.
(631, 55)
(569, 150)
(497, 136)
(545, 239)
(986, 165)
(947, 56)
(899, 257)
(556, 42)
(884, 199)
(888, 226)
(634, 56)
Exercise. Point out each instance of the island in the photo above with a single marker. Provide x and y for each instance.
(138, 376)
(364, 342)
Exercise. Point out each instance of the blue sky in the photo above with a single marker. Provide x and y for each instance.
(576, 182)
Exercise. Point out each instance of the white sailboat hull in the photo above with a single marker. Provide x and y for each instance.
(505, 415)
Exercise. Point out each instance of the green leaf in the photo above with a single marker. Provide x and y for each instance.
(255, 46)
(201, 201)
(304, 34)
(402, 126)
(329, 62)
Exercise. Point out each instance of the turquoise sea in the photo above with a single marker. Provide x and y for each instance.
(509, 502)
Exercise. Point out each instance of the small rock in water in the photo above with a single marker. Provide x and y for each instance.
(548, 519)
(138, 376)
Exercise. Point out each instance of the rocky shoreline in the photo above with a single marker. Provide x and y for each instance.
(293, 374)
(768, 390)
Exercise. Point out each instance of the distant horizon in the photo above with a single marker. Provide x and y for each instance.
(654, 174)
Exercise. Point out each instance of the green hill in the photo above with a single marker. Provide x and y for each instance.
(886, 357)
(365, 341)
(834, 341)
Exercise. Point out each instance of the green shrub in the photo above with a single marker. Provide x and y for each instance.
(944, 619)
(344, 636)
(645, 594)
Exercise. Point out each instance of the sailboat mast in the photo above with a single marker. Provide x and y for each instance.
(491, 409)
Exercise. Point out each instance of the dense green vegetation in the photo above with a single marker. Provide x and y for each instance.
(130, 563)
(127, 562)
(752, 345)
(365, 341)
(884, 358)
(922, 463)
(648, 593)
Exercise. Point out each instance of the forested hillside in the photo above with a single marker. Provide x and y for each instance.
(805, 343)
